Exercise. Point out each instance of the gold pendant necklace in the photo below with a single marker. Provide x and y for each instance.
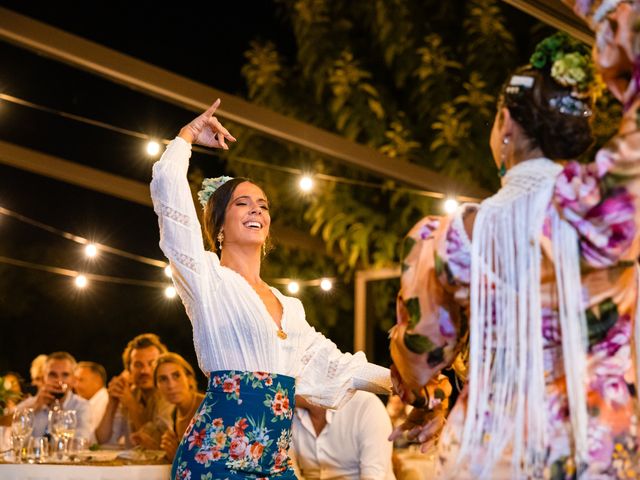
(282, 334)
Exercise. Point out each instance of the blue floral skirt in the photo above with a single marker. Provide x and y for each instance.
(242, 429)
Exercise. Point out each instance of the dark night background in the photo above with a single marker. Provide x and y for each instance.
(204, 42)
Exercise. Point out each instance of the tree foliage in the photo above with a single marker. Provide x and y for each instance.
(415, 80)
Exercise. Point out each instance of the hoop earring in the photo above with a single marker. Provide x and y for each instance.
(502, 171)
(220, 239)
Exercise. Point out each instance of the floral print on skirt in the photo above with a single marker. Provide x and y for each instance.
(242, 429)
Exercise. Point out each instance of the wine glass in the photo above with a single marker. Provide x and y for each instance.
(21, 428)
(70, 424)
(59, 395)
(57, 430)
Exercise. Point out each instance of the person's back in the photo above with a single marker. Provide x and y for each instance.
(543, 276)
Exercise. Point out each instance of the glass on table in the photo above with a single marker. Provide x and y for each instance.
(70, 424)
(37, 449)
(57, 430)
(21, 428)
(58, 394)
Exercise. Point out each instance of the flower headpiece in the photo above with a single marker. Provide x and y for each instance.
(570, 65)
(210, 185)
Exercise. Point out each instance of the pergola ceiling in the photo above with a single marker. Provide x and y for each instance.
(556, 14)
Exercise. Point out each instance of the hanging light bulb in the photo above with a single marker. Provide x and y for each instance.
(293, 287)
(167, 271)
(81, 281)
(306, 183)
(153, 148)
(91, 250)
(450, 205)
(170, 292)
(326, 285)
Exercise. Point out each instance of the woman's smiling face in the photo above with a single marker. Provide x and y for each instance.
(247, 218)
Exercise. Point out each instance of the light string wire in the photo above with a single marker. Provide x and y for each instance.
(115, 251)
(199, 149)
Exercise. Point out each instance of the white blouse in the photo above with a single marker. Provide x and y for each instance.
(232, 329)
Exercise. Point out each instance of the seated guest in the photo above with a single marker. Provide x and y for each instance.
(15, 384)
(134, 403)
(176, 381)
(348, 443)
(12, 384)
(58, 381)
(37, 374)
(90, 381)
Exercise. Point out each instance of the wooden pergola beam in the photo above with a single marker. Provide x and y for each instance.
(120, 187)
(78, 52)
(556, 14)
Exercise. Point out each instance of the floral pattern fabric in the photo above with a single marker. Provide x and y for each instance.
(241, 430)
(601, 201)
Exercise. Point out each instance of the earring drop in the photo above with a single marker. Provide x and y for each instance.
(220, 239)
(503, 165)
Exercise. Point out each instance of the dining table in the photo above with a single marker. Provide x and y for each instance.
(135, 464)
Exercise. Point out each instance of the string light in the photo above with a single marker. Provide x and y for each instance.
(170, 292)
(293, 287)
(167, 271)
(91, 250)
(81, 281)
(325, 284)
(153, 148)
(205, 151)
(450, 205)
(306, 183)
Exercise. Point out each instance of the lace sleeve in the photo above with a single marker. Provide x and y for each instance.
(180, 234)
(330, 377)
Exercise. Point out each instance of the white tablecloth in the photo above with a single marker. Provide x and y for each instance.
(83, 472)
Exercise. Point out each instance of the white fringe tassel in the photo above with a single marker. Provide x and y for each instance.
(506, 373)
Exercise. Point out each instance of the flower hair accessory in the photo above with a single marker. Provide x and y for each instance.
(210, 185)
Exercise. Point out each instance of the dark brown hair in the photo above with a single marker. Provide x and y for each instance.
(559, 135)
(216, 209)
(144, 340)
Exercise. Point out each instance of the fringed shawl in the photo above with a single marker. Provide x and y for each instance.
(506, 409)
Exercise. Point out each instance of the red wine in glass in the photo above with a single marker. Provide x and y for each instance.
(58, 395)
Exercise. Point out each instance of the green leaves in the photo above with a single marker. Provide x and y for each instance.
(600, 320)
(410, 78)
(418, 343)
(263, 69)
(413, 307)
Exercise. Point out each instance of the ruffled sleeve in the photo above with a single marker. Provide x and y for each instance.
(180, 233)
(329, 377)
(434, 294)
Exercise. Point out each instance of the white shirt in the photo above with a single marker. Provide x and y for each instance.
(353, 444)
(232, 329)
(71, 402)
(98, 405)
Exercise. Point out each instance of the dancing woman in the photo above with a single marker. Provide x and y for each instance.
(538, 285)
(252, 341)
